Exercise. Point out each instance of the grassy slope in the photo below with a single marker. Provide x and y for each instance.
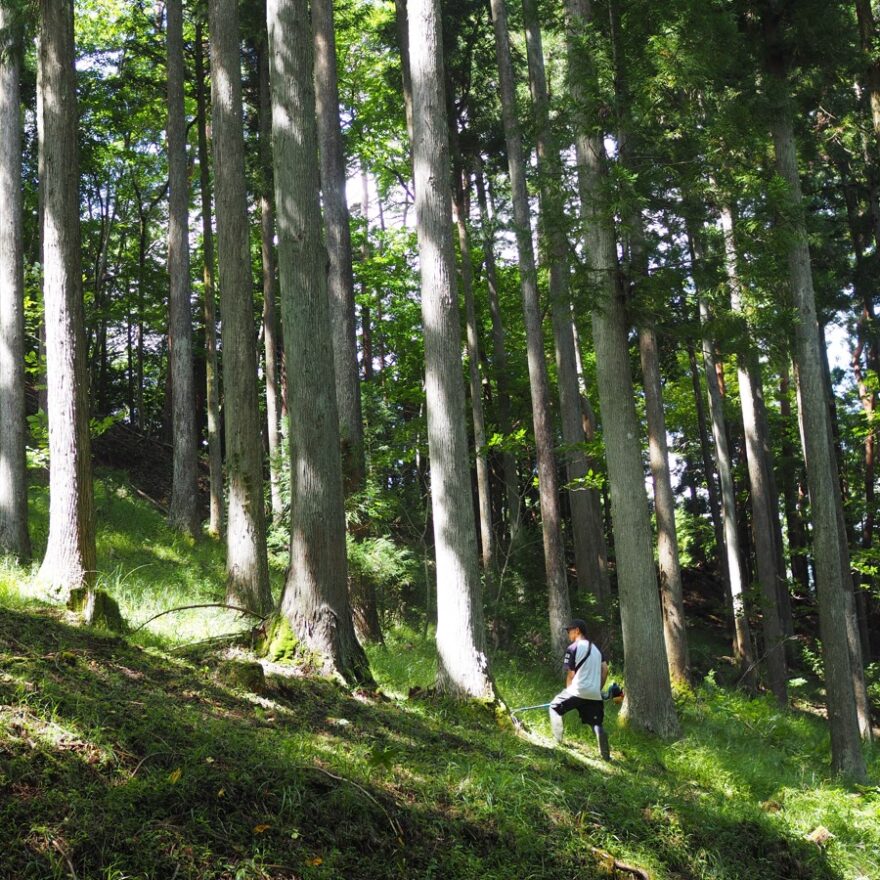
(129, 759)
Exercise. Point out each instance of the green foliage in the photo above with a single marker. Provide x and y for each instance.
(393, 569)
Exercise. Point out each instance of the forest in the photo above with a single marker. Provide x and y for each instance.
(361, 360)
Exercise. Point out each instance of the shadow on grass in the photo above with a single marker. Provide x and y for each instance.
(118, 762)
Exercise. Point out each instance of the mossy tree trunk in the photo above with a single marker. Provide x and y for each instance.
(315, 599)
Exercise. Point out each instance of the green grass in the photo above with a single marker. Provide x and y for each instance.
(130, 759)
(150, 568)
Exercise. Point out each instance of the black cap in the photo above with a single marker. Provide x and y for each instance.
(577, 623)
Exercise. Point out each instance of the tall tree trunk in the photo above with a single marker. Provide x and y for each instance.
(635, 247)
(671, 591)
(247, 566)
(742, 640)
(763, 505)
(212, 372)
(270, 322)
(70, 553)
(403, 39)
(551, 520)
(648, 703)
(798, 548)
(865, 355)
(868, 35)
(586, 528)
(594, 496)
(183, 512)
(499, 356)
(830, 553)
(466, 274)
(846, 536)
(14, 538)
(366, 317)
(463, 663)
(338, 226)
(709, 472)
(315, 599)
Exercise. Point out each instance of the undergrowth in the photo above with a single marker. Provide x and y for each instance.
(127, 758)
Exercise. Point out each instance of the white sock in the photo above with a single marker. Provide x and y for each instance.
(556, 725)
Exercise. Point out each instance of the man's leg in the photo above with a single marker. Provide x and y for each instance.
(602, 739)
(556, 711)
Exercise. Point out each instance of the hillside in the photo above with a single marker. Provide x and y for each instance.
(147, 757)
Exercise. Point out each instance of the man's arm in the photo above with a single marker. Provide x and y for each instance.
(569, 677)
(604, 673)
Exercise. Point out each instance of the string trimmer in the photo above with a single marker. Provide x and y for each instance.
(614, 692)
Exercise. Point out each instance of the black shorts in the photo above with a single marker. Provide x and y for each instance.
(592, 712)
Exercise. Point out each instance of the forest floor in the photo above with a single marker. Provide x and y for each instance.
(160, 755)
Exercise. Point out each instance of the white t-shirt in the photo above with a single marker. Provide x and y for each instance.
(585, 659)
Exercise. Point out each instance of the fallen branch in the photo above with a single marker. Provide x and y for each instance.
(395, 826)
(205, 605)
(142, 761)
(157, 504)
(607, 859)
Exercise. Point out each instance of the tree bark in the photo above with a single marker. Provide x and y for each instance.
(868, 35)
(594, 496)
(499, 356)
(338, 227)
(742, 640)
(586, 529)
(247, 565)
(183, 513)
(830, 553)
(551, 520)
(671, 591)
(463, 663)
(366, 318)
(315, 599)
(466, 275)
(70, 553)
(637, 269)
(270, 321)
(212, 373)
(798, 549)
(763, 505)
(648, 704)
(865, 356)
(14, 538)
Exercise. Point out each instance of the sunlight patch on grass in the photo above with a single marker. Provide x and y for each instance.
(406, 660)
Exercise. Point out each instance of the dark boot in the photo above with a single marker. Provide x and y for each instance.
(602, 739)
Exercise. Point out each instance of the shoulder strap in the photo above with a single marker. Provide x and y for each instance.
(584, 660)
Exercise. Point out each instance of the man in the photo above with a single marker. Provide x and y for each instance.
(586, 672)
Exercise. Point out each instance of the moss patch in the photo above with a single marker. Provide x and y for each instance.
(97, 609)
(278, 643)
